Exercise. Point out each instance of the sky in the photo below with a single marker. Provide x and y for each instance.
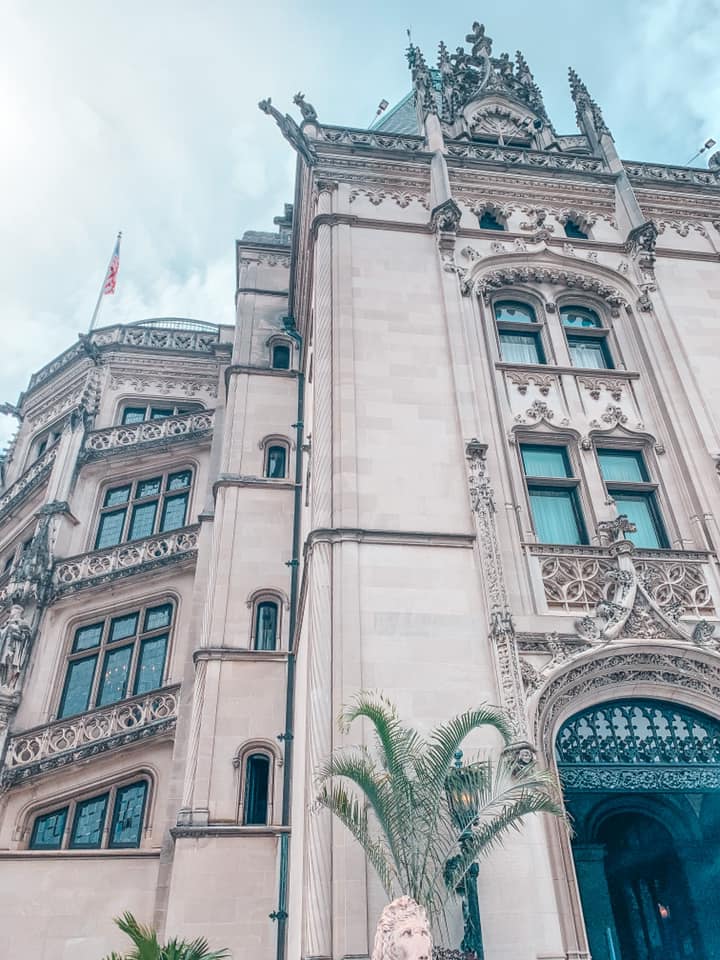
(142, 116)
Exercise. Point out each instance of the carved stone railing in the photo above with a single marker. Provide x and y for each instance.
(36, 474)
(518, 156)
(574, 579)
(668, 174)
(122, 438)
(152, 338)
(75, 738)
(139, 556)
(375, 140)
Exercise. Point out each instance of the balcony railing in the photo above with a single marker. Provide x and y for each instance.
(121, 438)
(36, 474)
(100, 566)
(74, 738)
(574, 579)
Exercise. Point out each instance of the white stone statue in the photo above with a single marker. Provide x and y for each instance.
(14, 648)
(403, 932)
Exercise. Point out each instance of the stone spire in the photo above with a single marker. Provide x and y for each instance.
(585, 107)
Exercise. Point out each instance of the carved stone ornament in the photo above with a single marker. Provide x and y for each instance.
(306, 109)
(498, 123)
(528, 273)
(445, 218)
(403, 932)
(15, 641)
(522, 379)
(585, 106)
(291, 131)
(641, 243)
(594, 386)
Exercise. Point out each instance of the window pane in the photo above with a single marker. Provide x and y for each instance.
(133, 415)
(519, 347)
(151, 664)
(545, 461)
(116, 496)
(281, 357)
(157, 617)
(89, 822)
(579, 317)
(276, 462)
(159, 413)
(48, 830)
(178, 481)
(490, 222)
(78, 684)
(148, 488)
(87, 637)
(110, 529)
(555, 516)
(257, 775)
(128, 815)
(113, 685)
(639, 510)
(573, 231)
(122, 627)
(174, 512)
(585, 352)
(267, 618)
(143, 520)
(624, 466)
(515, 312)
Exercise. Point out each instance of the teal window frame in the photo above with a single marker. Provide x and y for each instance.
(592, 331)
(127, 507)
(142, 412)
(556, 484)
(272, 455)
(128, 634)
(488, 220)
(260, 633)
(71, 813)
(256, 789)
(281, 356)
(640, 489)
(525, 326)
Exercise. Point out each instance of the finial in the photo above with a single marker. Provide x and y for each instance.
(584, 103)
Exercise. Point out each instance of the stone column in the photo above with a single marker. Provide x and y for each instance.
(317, 936)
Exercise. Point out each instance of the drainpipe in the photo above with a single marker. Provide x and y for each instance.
(281, 914)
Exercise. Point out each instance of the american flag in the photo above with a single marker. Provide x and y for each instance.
(112, 272)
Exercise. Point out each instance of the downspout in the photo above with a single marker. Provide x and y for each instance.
(281, 914)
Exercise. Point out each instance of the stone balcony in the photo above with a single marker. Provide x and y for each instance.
(138, 556)
(574, 579)
(56, 744)
(35, 475)
(150, 434)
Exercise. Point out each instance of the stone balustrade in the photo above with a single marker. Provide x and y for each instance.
(139, 556)
(574, 579)
(35, 474)
(75, 738)
(124, 437)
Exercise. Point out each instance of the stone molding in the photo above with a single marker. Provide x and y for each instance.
(240, 653)
(35, 475)
(41, 749)
(184, 831)
(138, 556)
(137, 437)
(389, 537)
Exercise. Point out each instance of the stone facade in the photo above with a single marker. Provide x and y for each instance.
(396, 542)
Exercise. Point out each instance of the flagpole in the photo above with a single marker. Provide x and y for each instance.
(96, 311)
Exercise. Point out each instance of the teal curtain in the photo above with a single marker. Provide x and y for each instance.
(639, 511)
(622, 466)
(544, 461)
(555, 516)
(519, 347)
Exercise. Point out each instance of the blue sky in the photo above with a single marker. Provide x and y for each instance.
(142, 116)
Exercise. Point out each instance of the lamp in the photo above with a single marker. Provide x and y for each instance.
(461, 797)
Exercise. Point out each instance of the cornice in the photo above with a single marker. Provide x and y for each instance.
(388, 537)
(237, 653)
(238, 480)
(226, 830)
(236, 369)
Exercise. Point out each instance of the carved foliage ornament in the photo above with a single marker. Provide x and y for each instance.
(525, 273)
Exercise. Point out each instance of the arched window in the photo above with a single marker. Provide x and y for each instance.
(488, 221)
(573, 231)
(257, 784)
(519, 342)
(280, 356)
(586, 338)
(276, 461)
(267, 620)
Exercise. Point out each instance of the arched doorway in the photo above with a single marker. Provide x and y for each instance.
(641, 780)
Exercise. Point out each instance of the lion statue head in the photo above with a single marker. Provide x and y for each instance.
(403, 932)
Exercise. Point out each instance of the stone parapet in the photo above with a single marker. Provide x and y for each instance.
(35, 475)
(129, 437)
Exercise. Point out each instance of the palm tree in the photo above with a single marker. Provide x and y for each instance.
(147, 946)
(421, 821)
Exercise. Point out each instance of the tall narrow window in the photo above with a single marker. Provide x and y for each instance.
(116, 658)
(142, 508)
(112, 819)
(628, 483)
(275, 463)
(553, 494)
(518, 332)
(266, 625)
(586, 338)
(281, 356)
(257, 782)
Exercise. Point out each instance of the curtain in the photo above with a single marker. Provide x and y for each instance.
(544, 461)
(621, 466)
(638, 509)
(555, 517)
(587, 353)
(519, 347)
